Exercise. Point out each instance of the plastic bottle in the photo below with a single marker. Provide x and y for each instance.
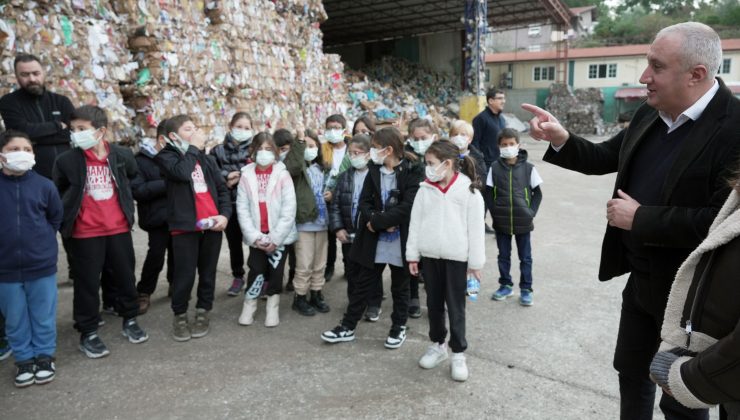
(205, 224)
(473, 289)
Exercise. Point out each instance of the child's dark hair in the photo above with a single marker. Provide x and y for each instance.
(338, 118)
(367, 121)
(261, 138)
(238, 116)
(507, 133)
(96, 115)
(161, 128)
(446, 150)
(390, 136)
(422, 123)
(282, 137)
(362, 141)
(9, 135)
(173, 124)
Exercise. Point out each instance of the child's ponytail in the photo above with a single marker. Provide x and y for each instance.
(467, 166)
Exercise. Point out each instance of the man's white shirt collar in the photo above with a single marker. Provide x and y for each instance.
(693, 112)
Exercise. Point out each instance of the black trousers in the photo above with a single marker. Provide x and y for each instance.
(160, 245)
(89, 256)
(637, 342)
(365, 287)
(271, 267)
(291, 261)
(331, 256)
(234, 239)
(352, 270)
(194, 250)
(446, 284)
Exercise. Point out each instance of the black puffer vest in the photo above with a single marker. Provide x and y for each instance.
(512, 196)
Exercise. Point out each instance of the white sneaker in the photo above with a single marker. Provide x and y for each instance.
(436, 354)
(458, 367)
(272, 318)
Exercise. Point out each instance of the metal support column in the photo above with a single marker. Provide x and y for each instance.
(476, 26)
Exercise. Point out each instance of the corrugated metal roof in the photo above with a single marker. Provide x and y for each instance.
(360, 21)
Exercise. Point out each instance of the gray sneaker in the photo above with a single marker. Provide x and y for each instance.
(180, 328)
(201, 325)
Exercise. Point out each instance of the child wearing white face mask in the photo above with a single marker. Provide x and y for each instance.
(461, 135)
(198, 210)
(449, 197)
(513, 185)
(232, 155)
(28, 289)
(94, 180)
(266, 207)
(312, 245)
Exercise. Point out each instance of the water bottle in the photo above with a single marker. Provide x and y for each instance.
(205, 224)
(473, 289)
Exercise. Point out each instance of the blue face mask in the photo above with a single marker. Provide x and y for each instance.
(180, 144)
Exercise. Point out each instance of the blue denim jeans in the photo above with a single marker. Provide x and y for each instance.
(30, 309)
(524, 249)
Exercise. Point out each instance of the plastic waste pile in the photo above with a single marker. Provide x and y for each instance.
(580, 110)
(393, 88)
(143, 60)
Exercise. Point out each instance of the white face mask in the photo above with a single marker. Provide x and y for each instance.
(283, 155)
(509, 152)
(460, 141)
(150, 145)
(334, 135)
(421, 146)
(433, 174)
(19, 161)
(242, 135)
(84, 139)
(265, 157)
(180, 145)
(359, 162)
(310, 153)
(375, 156)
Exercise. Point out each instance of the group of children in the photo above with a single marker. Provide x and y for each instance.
(414, 206)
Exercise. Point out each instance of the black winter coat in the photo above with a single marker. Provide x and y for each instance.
(178, 172)
(408, 177)
(694, 190)
(340, 208)
(70, 175)
(231, 156)
(40, 117)
(150, 191)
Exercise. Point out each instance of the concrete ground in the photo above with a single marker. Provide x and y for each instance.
(551, 360)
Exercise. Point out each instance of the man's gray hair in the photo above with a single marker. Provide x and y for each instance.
(701, 45)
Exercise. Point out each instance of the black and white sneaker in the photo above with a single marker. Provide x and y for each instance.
(45, 370)
(24, 375)
(133, 331)
(396, 337)
(93, 346)
(339, 334)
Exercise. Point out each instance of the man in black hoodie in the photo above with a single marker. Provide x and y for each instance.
(41, 114)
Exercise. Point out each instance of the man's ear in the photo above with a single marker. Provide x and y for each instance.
(698, 74)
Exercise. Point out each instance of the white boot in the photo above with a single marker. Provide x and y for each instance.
(272, 319)
(248, 310)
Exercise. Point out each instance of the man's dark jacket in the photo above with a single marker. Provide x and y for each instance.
(40, 117)
(150, 192)
(695, 188)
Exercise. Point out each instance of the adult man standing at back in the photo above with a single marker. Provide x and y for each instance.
(672, 165)
(41, 114)
(486, 127)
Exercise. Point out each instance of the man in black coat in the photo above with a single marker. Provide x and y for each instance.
(41, 114)
(486, 126)
(672, 165)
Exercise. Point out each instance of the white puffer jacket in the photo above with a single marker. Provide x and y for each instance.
(448, 225)
(281, 205)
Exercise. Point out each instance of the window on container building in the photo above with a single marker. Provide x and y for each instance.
(602, 71)
(540, 73)
(725, 67)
